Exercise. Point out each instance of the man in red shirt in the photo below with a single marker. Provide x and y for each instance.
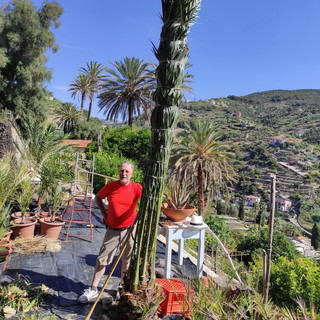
(122, 196)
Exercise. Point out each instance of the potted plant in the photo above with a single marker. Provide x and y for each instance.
(7, 187)
(51, 192)
(24, 226)
(176, 207)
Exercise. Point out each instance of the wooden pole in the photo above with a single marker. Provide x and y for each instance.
(269, 250)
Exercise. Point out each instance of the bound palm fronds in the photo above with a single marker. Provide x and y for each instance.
(172, 55)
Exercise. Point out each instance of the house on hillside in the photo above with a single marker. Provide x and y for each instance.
(251, 200)
(79, 145)
(275, 141)
(283, 205)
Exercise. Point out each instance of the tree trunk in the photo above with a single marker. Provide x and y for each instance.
(82, 102)
(172, 54)
(130, 113)
(89, 110)
(200, 193)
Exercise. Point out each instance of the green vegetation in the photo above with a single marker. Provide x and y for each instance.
(127, 91)
(315, 237)
(221, 229)
(201, 160)
(257, 240)
(108, 164)
(21, 296)
(295, 279)
(25, 37)
(309, 213)
(247, 126)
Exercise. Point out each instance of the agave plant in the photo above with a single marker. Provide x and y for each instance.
(179, 197)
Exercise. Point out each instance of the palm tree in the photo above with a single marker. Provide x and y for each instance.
(204, 161)
(39, 142)
(127, 90)
(67, 117)
(83, 86)
(94, 71)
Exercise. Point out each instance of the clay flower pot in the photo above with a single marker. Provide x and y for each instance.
(24, 230)
(50, 229)
(46, 214)
(7, 236)
(5, 250)
(178, 215)
(18, 214)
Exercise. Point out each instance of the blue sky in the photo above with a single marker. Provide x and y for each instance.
(236, 47)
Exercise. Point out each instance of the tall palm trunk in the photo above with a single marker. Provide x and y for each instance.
(172, 54)
(83, 97)
(130, 112)
(89, 110)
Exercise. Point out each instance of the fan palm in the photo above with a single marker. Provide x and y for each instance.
(83, 86)
(204, 161)
(67, 117)
(127, 90)
(94, 71)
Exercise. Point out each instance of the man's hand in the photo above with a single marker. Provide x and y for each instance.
(102, 207)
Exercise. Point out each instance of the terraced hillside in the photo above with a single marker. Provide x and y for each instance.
(268, 128)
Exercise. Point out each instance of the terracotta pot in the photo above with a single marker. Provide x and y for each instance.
(50, 229)
(5, 250)
(46, 214)
(24, 230)
(7, 236)
(18, 214)
(178, 215)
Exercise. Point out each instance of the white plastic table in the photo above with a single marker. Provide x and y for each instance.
(181, 232)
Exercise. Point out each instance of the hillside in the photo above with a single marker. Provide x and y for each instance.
(268, 128)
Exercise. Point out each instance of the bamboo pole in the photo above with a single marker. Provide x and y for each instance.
(270, 239)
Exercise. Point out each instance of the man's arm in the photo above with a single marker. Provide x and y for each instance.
(102, 207)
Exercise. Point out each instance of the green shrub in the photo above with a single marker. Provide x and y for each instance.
(295, 278)
(256, 241)
(108, 164)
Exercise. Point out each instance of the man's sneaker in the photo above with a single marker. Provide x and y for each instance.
(88, 296)
(119, 291)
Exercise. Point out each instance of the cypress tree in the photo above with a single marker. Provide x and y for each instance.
(315, 236)
(241, 210)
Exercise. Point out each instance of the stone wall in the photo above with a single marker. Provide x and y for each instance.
(6, 138)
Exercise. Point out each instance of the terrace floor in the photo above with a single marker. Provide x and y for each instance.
(68, 272)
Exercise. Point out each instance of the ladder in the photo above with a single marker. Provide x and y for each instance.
(79, 206)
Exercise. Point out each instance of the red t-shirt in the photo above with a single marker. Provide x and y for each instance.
(122, 203)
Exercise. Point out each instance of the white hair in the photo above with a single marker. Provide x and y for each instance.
(128, 163)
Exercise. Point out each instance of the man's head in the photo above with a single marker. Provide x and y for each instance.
(125, 172)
